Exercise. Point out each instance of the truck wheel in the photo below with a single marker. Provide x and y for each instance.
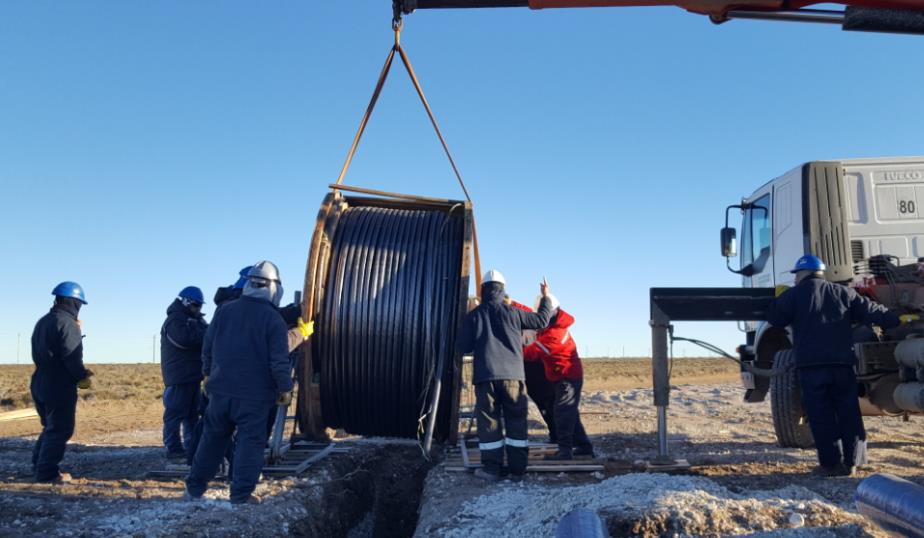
(786, 404)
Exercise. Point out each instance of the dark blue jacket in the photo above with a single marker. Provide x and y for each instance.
(246, 351)
(225, 294)
(57, 346)
(822, 315)
(492, 333)
(181, 339)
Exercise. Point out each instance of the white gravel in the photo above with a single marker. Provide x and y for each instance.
(685, 505)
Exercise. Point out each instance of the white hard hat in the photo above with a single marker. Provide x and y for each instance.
(552, 299)
(494, 276)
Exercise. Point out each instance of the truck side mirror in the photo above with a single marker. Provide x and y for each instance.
(729, 242)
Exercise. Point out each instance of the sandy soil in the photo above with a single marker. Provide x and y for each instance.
(739, 483)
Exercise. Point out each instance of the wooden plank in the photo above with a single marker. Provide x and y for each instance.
(470, 463)
(465, 458)
(299, 467)
(19, 414)
(385, 194)
(455, 398)
(541, 468)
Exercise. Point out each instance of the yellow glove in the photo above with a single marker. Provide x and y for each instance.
(908, 318)
(285, 398)
(307, 329)
(777, 291)
(84, 383)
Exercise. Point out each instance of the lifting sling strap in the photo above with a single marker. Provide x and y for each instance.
(397, 48)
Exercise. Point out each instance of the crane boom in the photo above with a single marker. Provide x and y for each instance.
(895, 16)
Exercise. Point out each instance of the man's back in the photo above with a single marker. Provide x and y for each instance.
(57, 345)
(822, 315)
(492, 333)
(246, 351)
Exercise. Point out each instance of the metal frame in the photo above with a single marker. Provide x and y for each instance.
(692, 304)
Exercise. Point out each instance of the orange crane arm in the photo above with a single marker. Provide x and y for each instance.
(897, 16)
(720, 7)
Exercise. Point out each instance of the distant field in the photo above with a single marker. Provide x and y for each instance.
(142, 382)
(125, 406)
(635, 372)
(114, 382)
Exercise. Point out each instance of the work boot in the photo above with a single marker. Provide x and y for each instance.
(250, 499)
(60, 478)
(584, 452)
(560, 455)
(844, 470)
(516, 477)
(829, 471)
(486, 476)
(189, 497)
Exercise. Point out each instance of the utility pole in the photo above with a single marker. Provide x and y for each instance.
(18, 340)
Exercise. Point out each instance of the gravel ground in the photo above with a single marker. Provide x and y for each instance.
(740, 482)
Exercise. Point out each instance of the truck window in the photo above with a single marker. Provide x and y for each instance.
(757, 234)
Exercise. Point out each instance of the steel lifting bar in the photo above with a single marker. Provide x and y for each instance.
(692, 304)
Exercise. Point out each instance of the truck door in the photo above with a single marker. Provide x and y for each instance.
(757, 244)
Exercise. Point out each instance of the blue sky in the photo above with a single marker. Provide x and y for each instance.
(146, 146)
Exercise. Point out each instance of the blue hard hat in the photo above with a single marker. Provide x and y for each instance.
(808, 263)
(192, 294)
(70, 289)
(239, 285)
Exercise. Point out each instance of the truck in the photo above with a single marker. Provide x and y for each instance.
(865, 219)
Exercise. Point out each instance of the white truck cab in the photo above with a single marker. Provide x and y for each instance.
(857, 215)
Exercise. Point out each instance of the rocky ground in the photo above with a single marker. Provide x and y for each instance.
(739, 483)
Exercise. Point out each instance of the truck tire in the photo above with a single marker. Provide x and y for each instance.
(786, 404)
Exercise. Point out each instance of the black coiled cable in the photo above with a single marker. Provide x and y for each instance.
(389, 314)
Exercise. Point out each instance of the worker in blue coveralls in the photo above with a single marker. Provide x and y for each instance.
(245, 357)
(223, 295)
(181, 339)
(822, 315)
(492, 334)
(57, 351)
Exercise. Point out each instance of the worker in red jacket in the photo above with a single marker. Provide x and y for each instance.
(539, 389)
(555, 347)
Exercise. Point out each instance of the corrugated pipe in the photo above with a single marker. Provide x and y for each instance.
(894, 504)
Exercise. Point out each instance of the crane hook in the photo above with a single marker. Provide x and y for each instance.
(396, 21)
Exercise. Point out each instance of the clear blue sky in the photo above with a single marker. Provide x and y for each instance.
(146, 146)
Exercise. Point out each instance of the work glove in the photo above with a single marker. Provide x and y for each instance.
(85, 383)
(204, 381)
(777, 291)
(306, 329)
(908, 318)
(284, 398)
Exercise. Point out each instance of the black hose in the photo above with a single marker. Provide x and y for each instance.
(388, 318)
(761, 372)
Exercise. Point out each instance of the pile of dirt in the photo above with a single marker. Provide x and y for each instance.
(645, 505)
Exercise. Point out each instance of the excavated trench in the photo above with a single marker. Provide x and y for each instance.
(376, 493)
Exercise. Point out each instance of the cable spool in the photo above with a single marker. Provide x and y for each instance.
(387, 283)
